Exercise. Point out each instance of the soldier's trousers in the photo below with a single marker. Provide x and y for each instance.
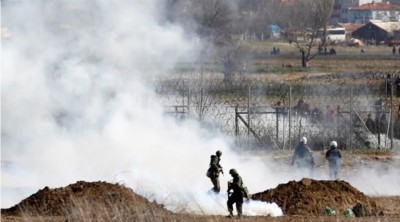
(238, 199)
(334, 168)
(215, 182)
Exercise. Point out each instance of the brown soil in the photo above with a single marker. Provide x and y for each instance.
(101, 201)
(86, 199)
(311, 197)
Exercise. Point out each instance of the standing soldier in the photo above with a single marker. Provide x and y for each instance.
(334, 159)
(214, 170)
(237, 196)
(303, 158)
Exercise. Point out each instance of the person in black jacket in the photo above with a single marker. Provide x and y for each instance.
(302, 157)
(334, 157)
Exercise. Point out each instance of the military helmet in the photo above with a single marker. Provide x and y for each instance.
(303, 140)
(333, 143)
(233, 172)
(219, 153)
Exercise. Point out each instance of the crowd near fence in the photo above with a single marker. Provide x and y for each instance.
(273, 116)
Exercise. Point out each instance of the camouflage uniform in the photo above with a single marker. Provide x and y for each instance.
(214, 170)
(237, 196)
(303, 158)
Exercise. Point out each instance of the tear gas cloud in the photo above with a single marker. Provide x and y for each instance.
(75, 107)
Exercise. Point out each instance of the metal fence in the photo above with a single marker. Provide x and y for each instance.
(262, 115)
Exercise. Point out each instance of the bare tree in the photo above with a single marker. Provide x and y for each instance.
(303, 21)
(219, 27)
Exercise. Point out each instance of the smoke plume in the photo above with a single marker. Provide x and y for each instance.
(75, 106)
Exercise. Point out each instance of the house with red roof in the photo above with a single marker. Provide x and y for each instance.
(383, 11)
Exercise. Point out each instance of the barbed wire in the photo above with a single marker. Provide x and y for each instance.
(265, 107)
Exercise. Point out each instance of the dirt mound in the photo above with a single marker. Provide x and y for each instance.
(311, 197)
(84, 199)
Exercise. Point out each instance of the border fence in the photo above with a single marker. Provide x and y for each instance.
(264, 115)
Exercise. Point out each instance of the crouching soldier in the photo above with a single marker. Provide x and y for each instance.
(236, 185)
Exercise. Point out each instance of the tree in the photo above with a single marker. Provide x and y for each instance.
(218, 24)
(303, 23)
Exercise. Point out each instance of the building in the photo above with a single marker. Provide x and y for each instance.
(383, 11)
(341, 9)
(376, 31)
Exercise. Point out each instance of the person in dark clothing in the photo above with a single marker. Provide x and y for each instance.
(236, 185)
(214, 170)
(394, 50)
(397, 82)
(370, 123)
(378, 105)
(317, 115)
(334, 157)
(388, 86)
(329, 117)
(303, 158)
(383, 124)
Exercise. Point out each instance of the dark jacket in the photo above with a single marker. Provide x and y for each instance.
(302, 153)
(333, 153)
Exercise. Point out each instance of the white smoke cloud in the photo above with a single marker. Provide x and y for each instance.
(75, 106)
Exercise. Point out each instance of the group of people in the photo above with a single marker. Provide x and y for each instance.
(323, 50)
(302, 159)
(394, 49)
(396, 92)
(379, 125)
(316, 115)
(236, 189)
(275, 51)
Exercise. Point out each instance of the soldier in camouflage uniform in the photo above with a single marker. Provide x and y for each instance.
(214, 170)
(237, 196)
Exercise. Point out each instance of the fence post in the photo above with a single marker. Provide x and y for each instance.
(391, 113)
(290, 117)
(188, 101)
(351, 116)
(277, 124)
(248, 114)
(339, 135)
(236, 121)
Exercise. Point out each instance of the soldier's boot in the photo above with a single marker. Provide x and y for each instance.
(239, 210)
(230, 214)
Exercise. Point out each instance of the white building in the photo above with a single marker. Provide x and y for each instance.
(383, 11)
(341, 9)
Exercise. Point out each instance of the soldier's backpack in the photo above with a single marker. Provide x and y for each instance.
(246, 193)
(208, 174)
